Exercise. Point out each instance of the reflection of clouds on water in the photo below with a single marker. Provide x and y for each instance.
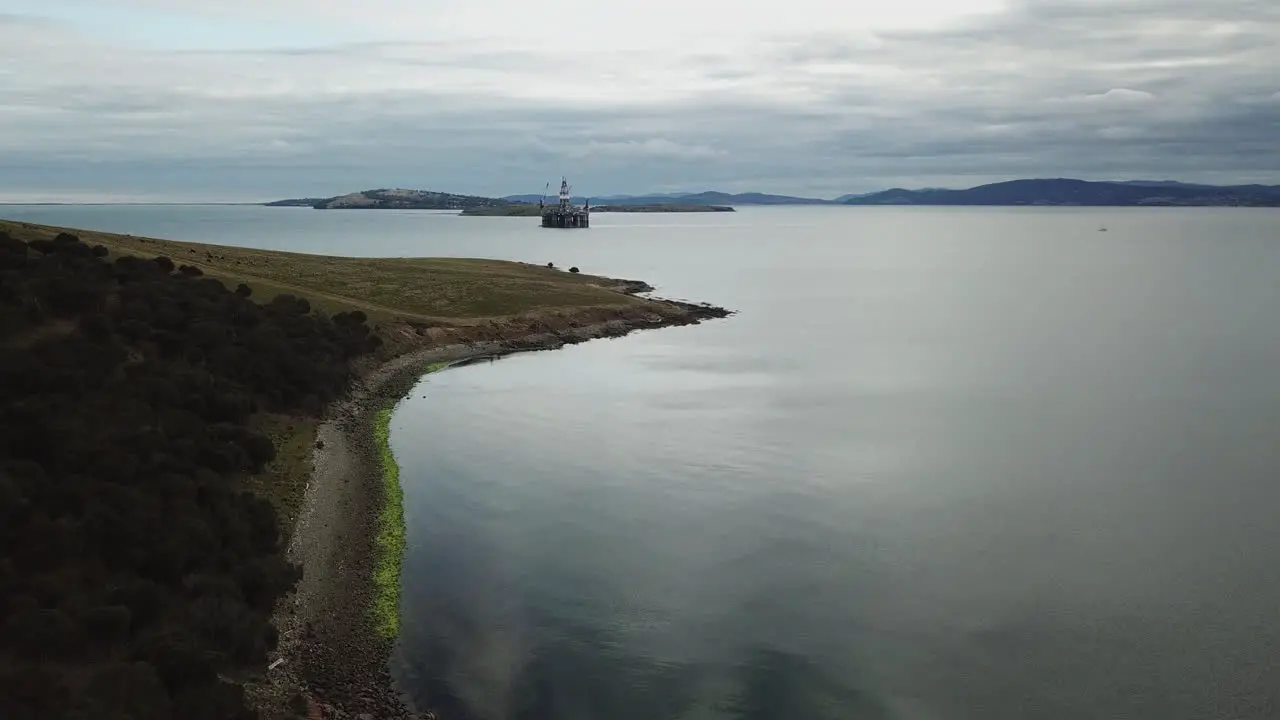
(517, 633)
(586, 674)
(536, 588)
(770, 684)
(921, 475)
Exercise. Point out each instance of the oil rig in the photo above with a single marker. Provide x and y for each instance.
(564, 214)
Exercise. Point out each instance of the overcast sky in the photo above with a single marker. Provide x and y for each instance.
(259, 99)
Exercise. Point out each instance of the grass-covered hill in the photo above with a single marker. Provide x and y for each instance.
(438, 291)
(391, 199)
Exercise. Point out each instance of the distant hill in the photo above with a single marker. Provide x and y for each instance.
(552, 198)
(1063, 191)
(702, 198)
(1161, 183)
(662, 207)
(1057, 191)
(851, 196)
(844, 199)
(526, 209)
(712, 197)
(297, 202)
(477, 205)
(397, 199)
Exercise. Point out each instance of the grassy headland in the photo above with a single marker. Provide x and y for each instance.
(402, 298)
(151, 382)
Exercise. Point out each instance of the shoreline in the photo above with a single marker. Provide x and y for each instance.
(335, 658)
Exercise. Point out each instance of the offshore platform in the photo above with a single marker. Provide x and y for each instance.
(564, 214)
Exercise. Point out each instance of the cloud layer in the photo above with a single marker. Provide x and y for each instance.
(249, 100)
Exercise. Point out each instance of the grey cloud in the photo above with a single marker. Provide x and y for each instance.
(1153, 88)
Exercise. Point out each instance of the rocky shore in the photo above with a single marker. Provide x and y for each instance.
(330, 662)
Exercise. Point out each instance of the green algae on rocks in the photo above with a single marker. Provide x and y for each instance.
(390, 541)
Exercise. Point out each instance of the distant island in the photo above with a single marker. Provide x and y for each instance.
(686, 199)
(474, 205)
(526, 209)
(1048, 192)
(1067, 192)
(397, 199)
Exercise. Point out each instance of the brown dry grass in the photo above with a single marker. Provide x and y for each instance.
(432, 290)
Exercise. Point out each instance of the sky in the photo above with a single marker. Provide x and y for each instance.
(247, 100)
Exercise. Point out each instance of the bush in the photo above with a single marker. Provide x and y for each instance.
(573, 269)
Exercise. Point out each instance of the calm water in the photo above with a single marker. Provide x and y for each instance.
(944, 464)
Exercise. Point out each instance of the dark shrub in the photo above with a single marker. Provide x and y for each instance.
(573, 269)
(108, 624)
(123, 435)
(123, 690)
(259, 449)
(352, 318)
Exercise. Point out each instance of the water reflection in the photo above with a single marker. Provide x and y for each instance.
(586, 674)
(949, 472)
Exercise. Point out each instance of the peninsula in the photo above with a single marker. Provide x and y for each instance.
(225, 513)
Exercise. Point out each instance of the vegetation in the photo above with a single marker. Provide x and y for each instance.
(391, 199)
(283, 482)
(298, 202)
(505, 210)
(390, 540)
(1063, 191)
(136, 572)
(424, 290)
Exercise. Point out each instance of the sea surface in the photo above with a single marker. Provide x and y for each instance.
(944, 464)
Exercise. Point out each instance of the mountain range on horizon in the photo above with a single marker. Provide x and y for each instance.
(1071, 192)
(1055, 191)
